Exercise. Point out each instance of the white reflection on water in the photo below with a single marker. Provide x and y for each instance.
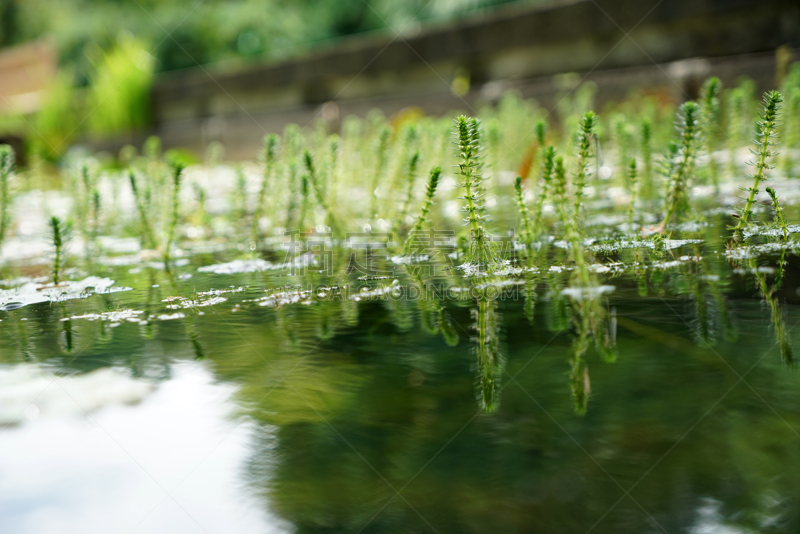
(111, 471)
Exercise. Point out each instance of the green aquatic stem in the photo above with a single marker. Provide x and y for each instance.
(177, 176)
(410, 176)
(490, 361)
(6, 168)
(688, 129)
(540, 131)
(710, 98)
(586, 136)
(381, 147)
(735, 106)
(766, 136)
(59, 234)
(646, 152)
(622, 138)
(548, 166)
(91, 244)
(270, 153)
(527, 231)
(319, 191)
(776, 314)
(433, 182)
(780, 220)
(147, 238)
(481, 249)
(633, 181)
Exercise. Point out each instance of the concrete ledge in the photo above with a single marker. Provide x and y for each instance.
(618, 43)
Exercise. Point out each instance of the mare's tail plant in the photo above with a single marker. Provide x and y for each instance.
(735, 104)
(381, 147)
(681, 171)
(433, 182)
(780, 221)
(766, 137)
(548, 164)
(527, 232)
(177, 177)
(6, 168)
(586, 136)
(270, 151)
(710, 93)
(632, 180)
(646, 151)
(147, 237)
(622, 139)
(411, 176)
(467, 132)
(319, 191)
(94, 224)
(59, 235)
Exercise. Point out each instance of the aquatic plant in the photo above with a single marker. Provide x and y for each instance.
(482, 250)
(381, 147)
(410, 179)
(527, 232)
(769, 294)
(766, 137)
(490, 360)
(681, 160)
(586, 136)
(622, 140)
(433, 182)
(59, 235)
(735, 106)
(148, 240)
(6, 168)
(646, 153)
(319, 190)
(548, 166)
(780, 221)
(632, 181)
(791, 131)
(270, 153)
(177, 176)
(710, 99)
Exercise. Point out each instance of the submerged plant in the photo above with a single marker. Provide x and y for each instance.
(433, 182)
(319, 190)
(490, 360)
(270, 152)
(681, 162)
(646, 151)
(768, 292)
(622, 139)
(766, 137)
(527, 232)
(548, 165)
(177, 172)
(735, 103)
(6, 168)
(410, 176)
(482, 250)
(59, 235)
(381, 147)
(779, 218)
(586, 136)
(147, 238)
(710, 97)
(632, 180)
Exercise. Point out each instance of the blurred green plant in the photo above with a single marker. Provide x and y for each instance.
(118, 98)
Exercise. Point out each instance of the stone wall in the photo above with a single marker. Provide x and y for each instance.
(664, 46)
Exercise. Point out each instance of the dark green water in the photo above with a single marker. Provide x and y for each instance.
(361, 416)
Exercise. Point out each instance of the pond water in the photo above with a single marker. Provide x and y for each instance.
(361, 394)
